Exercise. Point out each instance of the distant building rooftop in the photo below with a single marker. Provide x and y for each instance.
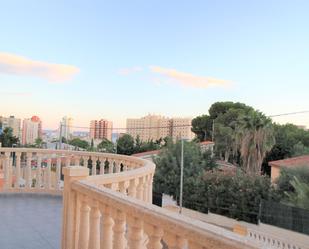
(291, 162)
(206, 142)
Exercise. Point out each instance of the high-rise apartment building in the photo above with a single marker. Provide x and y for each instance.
(100, 129)
(30, 131)
(155, 127)
(11, 122)
(65, 129)
(36, 119)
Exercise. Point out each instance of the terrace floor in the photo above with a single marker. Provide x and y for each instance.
(30, 221)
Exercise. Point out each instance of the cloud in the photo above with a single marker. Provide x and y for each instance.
(187, 79)
(127, 71)
(19, 65)
(19, 94)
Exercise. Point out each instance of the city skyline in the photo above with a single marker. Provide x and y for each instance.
(61, 63)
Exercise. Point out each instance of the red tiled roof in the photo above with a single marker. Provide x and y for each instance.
(146, 153)
(291, 162)
(206, 142)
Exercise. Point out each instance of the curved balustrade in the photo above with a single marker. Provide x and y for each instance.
(38, 170)
(111, 207)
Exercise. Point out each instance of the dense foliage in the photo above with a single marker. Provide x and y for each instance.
(290, 141)
(127, 145)
(241, 134)
(7, 139)
(106, 146)
(167, 176)
(205, 187)
(235, 195)
(79, 143)
(287, 175)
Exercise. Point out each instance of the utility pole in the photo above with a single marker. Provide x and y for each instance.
(60, 136)
(213, 130)
(181, 178)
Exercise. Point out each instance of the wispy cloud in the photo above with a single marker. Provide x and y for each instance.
(23, 66)
(187, 79)
(19, 94)
(127, 71)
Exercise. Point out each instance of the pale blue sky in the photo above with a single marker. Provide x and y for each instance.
(260, 47)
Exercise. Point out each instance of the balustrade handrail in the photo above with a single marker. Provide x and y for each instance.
(40, 170)
(195, 231)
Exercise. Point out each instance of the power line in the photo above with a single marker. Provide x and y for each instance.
(289, 113)
(174, 126)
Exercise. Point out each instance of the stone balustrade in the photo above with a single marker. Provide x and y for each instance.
(269, 241)
(107, 201)
(37, 170)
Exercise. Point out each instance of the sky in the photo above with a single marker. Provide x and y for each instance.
(126, 59)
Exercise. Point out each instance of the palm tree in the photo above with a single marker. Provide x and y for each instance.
(255, 138)
(300, 196)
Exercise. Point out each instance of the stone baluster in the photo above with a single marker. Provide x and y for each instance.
(94, 166)
(48, 178)
(106, 227)
(140, 189)
(155, 235)
(18, 158)
(58, 172)
(118, 166)
(28, 171)
(94, 233)
(10, 171)
(145, 189)
(125, 167)
(84, 224)
(122, 187)
(135, 233)
(6, 170)
(74, 160)
(85, 161)
(68, 161)
(39, 172)
(132, 188)
(174, 241)
(150, 182)
(119, 228)
(102, 164)
(111, 167)
(70, 216)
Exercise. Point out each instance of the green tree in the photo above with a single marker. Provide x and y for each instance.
(256, 138)
(299, 149)
(235, 195)
(289, 138)
(202, 127)
(106, 146)
(167, 175)
(77, 142)
(300, 196)
(125, 145)
(38, 142)
(283, 183)
(7, 139)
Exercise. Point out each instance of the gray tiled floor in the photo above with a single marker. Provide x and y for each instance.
(30, 221)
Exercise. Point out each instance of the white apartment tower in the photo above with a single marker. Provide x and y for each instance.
(65, 129)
